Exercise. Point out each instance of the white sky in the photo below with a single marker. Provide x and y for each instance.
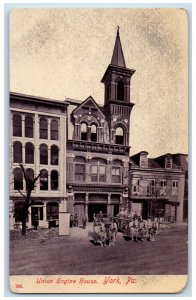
(64, 53)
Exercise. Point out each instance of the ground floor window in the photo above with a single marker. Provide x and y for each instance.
(52, 210)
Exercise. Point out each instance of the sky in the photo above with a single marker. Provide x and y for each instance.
(59, 53)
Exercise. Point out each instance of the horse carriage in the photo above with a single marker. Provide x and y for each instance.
(134, 228)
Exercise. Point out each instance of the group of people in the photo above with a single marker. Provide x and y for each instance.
(142, 230)
(74, 220)
(105, 232)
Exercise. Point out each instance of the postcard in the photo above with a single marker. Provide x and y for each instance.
(98, 150)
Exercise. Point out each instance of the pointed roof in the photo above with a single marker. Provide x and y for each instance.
(118, 57)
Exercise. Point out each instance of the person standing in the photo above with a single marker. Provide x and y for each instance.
(84, 221)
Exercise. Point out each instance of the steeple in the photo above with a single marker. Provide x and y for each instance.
(118, 57)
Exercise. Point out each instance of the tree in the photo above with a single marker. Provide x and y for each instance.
(28, 201)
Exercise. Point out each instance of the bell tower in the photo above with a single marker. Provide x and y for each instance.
(117, 103)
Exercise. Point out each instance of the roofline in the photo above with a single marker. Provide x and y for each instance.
(38, 99)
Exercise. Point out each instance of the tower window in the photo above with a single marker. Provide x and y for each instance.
(93, 133)
(83, 132)
(107, 91)
(120, 90)
(119, 136)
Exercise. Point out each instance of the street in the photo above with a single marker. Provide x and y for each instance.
(44, 252)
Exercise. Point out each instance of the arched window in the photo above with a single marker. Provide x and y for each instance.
(29, 126)
(83, 132)
(18, 179)
(17, 125)
(43, 154)
(93, 133)
(44, 180)
(29, 153)
(120, 90)
(43, 128)
(54, 130)
(17, 152)
(30, 175)
(119, 136)
(54, 155)
(54, 180)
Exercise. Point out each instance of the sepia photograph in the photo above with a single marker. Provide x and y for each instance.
(98, 150)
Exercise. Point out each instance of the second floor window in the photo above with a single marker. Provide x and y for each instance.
(98, 171)
(54, 180)
(43, 129)
(44, 180)
(93, 133)
(18, 179)
(80, 168)
(54, 155)
(30, 174)
(174, 187)
(116, 178)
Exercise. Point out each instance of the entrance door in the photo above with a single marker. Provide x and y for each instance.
(95, 209)
(116, 209)
(145, 210)
(36, 214)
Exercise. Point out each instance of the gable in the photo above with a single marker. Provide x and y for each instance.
(88, 107)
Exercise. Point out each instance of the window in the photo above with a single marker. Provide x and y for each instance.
(29, 153)
(18, 179)
(80, 168)
(29, 126)
(43, 154)
(119, 136)
(17, 125)
(120, 90)
(30, 175)
(151, 187)
(116, 178)
(52, 209)
(174, 187)
(54, 155)
(135, 187)
(54, 180)
(93, 133)
(83, 132)
(80, 172)
(43, 129)
(98, 170)
(17, 147)
(163, 183)
(44, 180)
(54, 130)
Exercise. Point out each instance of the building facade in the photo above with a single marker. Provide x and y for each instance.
(156, 187)
(37, 141)
(98, 144)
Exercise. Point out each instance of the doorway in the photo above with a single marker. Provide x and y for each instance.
(145, 210)
(95, 209)
(36, 214)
